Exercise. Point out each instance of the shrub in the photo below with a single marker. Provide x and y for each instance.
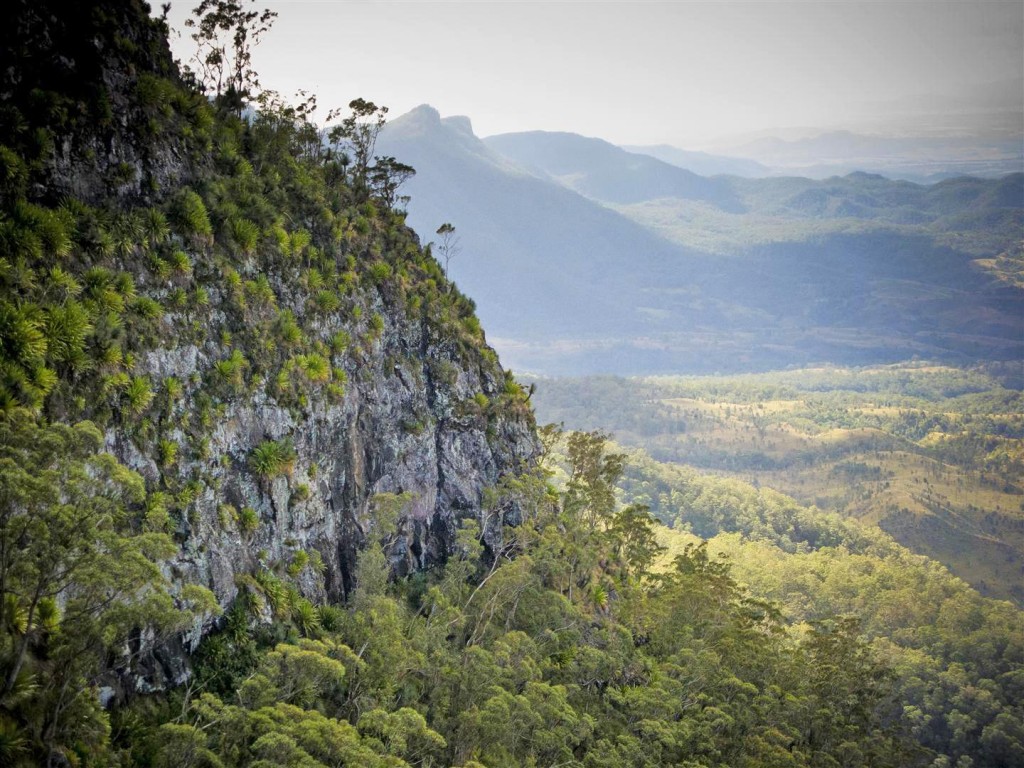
(305, 617)
(298, 564)
(180, 263)
(147, 308)
(327, 301)
(301, 492)
(178, 298)
(273, 458)
(314, 367)
(299, 241)
(248, 520)
(67, 328)
(191, 216)
(226, 514)
(173, 388)
(380, 271)
(138, 395)
(155, 226)
(231, 371)
(340, 342)
(167, 453)
(288, 330)
(245, 234)
(260, 291)
(330, 617)
(273, 591)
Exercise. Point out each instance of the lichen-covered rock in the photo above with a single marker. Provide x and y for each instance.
(400, 428)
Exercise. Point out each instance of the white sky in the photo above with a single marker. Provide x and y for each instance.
(678, 72)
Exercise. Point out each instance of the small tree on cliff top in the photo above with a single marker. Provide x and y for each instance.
(225, 35)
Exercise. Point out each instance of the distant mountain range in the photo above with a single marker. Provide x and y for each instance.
(912, 158)
(602, 171)
(703, 163)
(530, 248)
(584, 257)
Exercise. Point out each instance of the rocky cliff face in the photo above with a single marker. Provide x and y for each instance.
(408, 423)
(266, 305)
(403, 426)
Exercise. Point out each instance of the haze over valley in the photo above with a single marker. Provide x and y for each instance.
(634, 265)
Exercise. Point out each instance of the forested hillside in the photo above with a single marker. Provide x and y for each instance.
(931, 455)
(955, 656)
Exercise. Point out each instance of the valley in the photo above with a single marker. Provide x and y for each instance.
(932, 455)
(631, 265)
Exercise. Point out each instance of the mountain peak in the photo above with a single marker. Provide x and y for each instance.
(421, 119)
(424, 112)
(460, 123)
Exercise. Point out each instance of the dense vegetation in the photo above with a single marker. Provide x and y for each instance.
(947, 645)
(944, 642)
(933, 455)
(564, 646)
(141, 221)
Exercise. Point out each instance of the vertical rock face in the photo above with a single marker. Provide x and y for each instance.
(410, 422)
(270, 257)
(407, 424)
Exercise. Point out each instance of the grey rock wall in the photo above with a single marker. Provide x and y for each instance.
(405, 425)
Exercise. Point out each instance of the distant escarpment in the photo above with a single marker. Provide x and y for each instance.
(243, 315)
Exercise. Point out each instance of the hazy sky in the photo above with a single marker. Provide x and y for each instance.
(637, 72)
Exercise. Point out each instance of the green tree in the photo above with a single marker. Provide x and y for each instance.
(449, 246)
(78, 571)
(385, 177)
(225, 34)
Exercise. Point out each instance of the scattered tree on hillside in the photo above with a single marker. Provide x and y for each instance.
(225, 35)
(449, 247)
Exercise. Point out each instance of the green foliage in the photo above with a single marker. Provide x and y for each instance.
(380, 271)
(24, 378)
(137, 396)
(77, 577)
(930, 453)
(225, 34)
(245, 234)
(167, 452)
(248, 520)
(273, 458)
(180, 262)
(230, 372)
(563, 649)
(314, 367)
(191, 216)
(147, 308)
(299, 562)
